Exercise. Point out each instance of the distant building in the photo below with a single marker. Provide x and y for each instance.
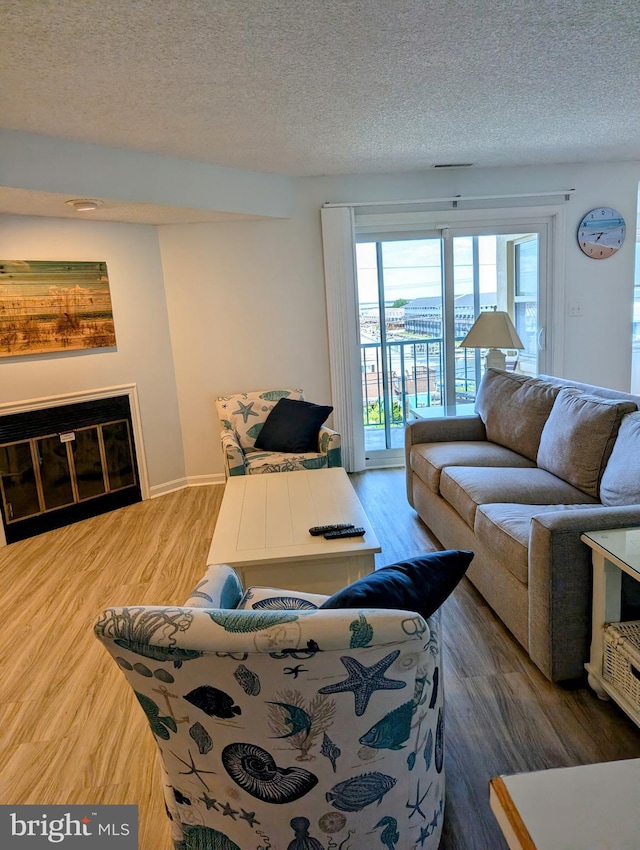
(423, 316)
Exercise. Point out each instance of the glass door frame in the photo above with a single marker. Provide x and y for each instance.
(547, 223)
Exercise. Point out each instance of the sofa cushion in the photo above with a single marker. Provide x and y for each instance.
(467, 487)
(514, 409)
(505, 529)
(620, 483)
(418, 584)
(292, 425)
(578, 437)
(429, 459)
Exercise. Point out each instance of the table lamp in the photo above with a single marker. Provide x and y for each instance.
(493, 330)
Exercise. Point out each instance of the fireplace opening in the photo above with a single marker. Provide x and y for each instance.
(59, 465)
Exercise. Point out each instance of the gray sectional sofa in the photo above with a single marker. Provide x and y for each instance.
(542, 461)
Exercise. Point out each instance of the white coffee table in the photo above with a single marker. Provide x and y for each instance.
(589, 807)
(263, 531)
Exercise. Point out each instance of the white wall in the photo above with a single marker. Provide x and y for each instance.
(247, 312)
(246, 300)
(143, 355)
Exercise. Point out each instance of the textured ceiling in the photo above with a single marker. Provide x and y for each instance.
(316, 87)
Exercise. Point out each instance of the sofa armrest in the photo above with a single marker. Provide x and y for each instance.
(330, 444)
(442, 429)
(232, 453)
(560, 585)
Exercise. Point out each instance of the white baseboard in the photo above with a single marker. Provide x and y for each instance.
(181, 483)
(205, 480)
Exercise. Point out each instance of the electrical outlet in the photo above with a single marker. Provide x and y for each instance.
(575, 310)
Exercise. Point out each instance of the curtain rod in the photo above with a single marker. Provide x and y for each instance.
(454, 199)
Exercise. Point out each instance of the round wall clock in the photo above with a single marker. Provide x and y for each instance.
(601, 233)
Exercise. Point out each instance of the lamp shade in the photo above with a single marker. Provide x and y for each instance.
(492, 329)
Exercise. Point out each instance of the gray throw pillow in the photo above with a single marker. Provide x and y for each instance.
(620, 483)
(578, 437)
(514, 409)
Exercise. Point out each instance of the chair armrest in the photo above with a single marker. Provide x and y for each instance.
(232, 453)
(330, 444)
(560, 585)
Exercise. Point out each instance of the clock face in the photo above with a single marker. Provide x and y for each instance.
(601, 233)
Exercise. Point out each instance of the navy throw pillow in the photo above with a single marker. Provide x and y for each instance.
(292, 426)
(419, 584)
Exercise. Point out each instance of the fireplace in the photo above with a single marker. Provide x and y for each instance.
(63, 463)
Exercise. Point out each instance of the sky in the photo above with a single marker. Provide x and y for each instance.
(412, 268)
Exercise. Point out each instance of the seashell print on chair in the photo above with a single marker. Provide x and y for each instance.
(289, 729)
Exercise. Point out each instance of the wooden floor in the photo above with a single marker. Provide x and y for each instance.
(69, 732)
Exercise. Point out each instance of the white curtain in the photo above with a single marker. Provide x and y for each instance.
(338, 239)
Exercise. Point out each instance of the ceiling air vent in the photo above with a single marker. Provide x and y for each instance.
(452, 165)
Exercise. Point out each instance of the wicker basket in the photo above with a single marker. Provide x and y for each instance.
(621, 662)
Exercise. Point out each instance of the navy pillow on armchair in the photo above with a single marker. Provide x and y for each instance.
(418, 584)
(292, 426)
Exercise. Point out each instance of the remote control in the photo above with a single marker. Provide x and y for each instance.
(317, 530)
(345, 532)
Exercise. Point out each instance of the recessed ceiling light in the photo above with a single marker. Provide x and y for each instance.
(84, 204)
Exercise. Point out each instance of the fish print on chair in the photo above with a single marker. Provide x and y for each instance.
(283, 729)
(299, 723)
(391, 731)
(354, 794)
(213, 701)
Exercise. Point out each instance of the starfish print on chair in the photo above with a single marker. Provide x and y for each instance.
(210, 802)
(363, 681)
(192, 768)
(227, 810)
(415, 807)
(250, 817)
(245, 410)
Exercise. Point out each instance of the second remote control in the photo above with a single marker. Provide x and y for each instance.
(347, 532)
(317, 530)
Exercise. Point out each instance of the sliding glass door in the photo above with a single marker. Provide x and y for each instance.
(418, 296)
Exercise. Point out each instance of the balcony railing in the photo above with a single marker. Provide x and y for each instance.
(414, 379)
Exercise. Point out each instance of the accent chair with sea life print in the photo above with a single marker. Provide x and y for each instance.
(282, 726)
(243, 417)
